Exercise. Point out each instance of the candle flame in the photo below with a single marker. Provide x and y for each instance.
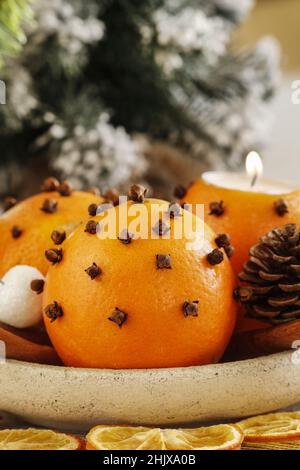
(254, 166)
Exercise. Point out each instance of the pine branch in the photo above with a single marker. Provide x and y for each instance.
(92, 73)
(13, 13)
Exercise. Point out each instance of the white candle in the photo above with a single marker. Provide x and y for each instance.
(251, 181)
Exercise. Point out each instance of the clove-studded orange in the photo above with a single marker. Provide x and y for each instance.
(38, 223)
(245, 216)
(154, 301)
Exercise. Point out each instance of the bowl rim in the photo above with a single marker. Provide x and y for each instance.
(128, 372)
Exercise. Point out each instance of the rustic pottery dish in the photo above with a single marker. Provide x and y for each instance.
(69, 398)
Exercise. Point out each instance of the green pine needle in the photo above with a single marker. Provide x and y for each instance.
(13, 13)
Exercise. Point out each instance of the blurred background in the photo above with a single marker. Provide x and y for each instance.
(105, 93)
(280, 18)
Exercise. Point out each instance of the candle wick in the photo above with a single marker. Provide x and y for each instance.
(254, 179)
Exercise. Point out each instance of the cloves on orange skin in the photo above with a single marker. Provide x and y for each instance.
(126, 237)
(112, 196)
(54, 255)
(118, 317)
(163, 261)
(223, 240)
(217, 208)
(215, 257)
(93, 271)
(92, 209)
(137, 193)
(58, 237)
(53, 311)
(248, 216)
(191, 309)
(16, 231)
(49, 206)
(50, 184)
(159, 337)
(92, 227)
(281, 207)
(65, 189)
(38, 226)
(37, 286)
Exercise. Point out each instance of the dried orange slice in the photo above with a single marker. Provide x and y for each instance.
(222, 437)
(124, 438)
(272, 427)
(37, 439)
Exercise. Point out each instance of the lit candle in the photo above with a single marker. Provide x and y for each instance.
(254, 167)
(250, 181)
(245, 205)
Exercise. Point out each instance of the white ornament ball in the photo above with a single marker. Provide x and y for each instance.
(20, 307)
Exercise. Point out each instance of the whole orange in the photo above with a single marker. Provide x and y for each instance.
(25, 229)
(247, 217)
(139, 302)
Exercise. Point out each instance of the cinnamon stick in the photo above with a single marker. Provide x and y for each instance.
(251, 344)
(24, 349)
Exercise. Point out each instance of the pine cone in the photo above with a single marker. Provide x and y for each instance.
(271, 278)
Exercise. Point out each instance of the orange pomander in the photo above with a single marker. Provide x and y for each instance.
(135, 302)
(245, 217)
(42, 221)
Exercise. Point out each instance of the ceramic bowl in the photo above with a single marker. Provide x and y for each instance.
(68, 398)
